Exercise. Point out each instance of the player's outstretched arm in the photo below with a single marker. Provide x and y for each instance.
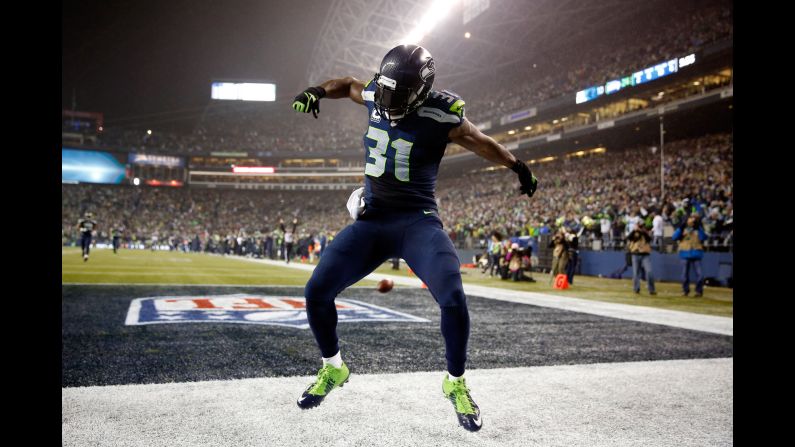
(348, 87)
(309, 100)
(471, 138)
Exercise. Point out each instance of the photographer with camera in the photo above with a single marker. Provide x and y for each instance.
(640, 250)
(573, 245)
(691, 236)
(560, 253)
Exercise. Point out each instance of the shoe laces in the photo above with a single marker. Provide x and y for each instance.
(323, 378)
(461, 393)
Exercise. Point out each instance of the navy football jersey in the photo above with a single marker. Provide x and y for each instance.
(402, 160)
(87, 225)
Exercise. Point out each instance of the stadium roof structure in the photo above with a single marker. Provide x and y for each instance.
(357, 33)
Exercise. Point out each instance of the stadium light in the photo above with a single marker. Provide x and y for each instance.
(435, 13)
(243, 91)
(253, 169)
(467, 35)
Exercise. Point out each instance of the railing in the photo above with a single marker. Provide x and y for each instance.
(712, 244)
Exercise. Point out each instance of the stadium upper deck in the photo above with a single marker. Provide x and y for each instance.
(549, 88)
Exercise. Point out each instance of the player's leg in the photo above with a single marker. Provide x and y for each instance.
(355, 252)
(87, 249)
(430, 253)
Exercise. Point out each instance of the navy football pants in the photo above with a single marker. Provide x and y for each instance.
(364, 245)
(85, 243)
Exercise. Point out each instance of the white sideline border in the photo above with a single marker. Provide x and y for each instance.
(685, 320)
(652, 403)
(126, 284)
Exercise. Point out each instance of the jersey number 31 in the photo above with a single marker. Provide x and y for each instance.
(378, 153)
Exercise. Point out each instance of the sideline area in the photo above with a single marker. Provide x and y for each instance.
(656, 403)
(686, 320)
(601, 297)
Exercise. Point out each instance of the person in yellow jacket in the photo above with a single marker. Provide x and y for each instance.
(640, 250)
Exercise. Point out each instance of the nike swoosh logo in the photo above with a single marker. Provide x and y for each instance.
(427, 212)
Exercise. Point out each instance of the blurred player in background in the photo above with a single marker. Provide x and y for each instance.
(87, 225)
(117, 232)
(410, 126)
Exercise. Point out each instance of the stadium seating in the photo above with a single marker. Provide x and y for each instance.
(573, 188)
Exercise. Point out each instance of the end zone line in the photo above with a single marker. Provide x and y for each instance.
(675, 318)
(125, 284)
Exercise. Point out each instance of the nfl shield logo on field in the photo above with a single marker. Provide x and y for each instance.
(249, 309)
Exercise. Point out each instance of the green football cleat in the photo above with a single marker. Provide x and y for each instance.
(328, 378)
(465, 408)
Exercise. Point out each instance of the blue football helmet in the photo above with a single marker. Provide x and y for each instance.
(403, 82)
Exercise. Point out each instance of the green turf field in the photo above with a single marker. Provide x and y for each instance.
(147, 267)
(163, 267)
(716, 300)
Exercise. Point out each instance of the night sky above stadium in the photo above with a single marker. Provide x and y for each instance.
(130, 59)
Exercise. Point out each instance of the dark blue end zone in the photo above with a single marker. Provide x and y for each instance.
(98, 348)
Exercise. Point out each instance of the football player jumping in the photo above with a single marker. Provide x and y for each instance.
(409, 127)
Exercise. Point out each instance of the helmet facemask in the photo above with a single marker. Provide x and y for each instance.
(394, 102)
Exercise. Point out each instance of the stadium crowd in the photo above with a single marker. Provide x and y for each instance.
(597, 197)
(258, 131)
(264, 130)
(609, 58)
(198, 219)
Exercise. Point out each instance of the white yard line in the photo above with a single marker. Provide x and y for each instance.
(686, 320)
(125, 284)
(661, 403)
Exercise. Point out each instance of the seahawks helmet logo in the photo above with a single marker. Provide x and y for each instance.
(427, 70)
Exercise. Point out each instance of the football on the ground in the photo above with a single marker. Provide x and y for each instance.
(385, 285)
